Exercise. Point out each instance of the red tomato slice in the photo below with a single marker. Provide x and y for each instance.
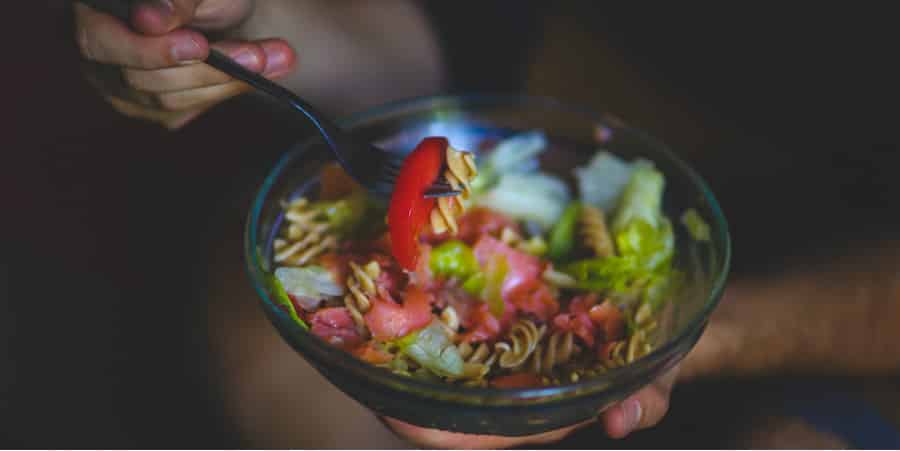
(536, 298)
(409, 210)
(482, 325)
(368, 352)
(517, 380)
(335, 325)
(523, 268)
(578, 320)
(388, 320)
(610, 319)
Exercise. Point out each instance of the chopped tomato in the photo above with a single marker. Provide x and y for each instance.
(388, 320)
(481, 221)
(482, 325)
(578, 320)
(517, 380)
(535, 297)
(610, 319)
(522, 268)
(409, 210)
(335, 325)
(371, 353)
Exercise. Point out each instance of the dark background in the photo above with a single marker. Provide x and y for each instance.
(107, 223)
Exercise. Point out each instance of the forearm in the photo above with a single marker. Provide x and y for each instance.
(353, 54)
(840, 317)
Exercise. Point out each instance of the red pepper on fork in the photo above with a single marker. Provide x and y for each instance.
(409, 209)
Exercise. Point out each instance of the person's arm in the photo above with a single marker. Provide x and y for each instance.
(838, 316)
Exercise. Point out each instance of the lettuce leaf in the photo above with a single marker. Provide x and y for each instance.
(528, 197)
(601, 181)
(562, 236)
(516, 154)
(432, 348)
(282, 299)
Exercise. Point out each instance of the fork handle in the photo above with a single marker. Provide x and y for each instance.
(121, 9)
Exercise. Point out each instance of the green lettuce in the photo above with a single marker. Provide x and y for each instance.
(562, 236)
(644, 240)
(433, 349)
(282, 299)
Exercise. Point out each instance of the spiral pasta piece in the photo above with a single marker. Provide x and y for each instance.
(595, 232)
(305, 237)
(460, 171)
(557, 350)
(361, 287)
(477, 362)
(524, 337)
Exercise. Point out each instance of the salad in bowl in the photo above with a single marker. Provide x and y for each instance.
(556, 281)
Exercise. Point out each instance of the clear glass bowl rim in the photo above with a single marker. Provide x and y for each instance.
(479, 394)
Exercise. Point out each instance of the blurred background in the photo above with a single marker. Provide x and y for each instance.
(126, 319)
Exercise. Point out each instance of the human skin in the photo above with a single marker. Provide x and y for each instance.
(152, 68)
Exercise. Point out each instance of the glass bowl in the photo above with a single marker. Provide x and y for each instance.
(466, 121)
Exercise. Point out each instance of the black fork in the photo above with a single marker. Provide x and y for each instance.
(373, 167)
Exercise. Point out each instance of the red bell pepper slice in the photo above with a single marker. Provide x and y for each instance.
(409, 210)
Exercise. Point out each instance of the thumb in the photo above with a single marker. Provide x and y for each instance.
(158, 17)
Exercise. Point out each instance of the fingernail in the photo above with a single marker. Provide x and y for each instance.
(277, 60)
(247, 59)
(186, 49)
(632, 412)
(164, 8)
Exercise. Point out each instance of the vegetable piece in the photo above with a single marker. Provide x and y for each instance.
(516, 154)
(562, 236)
(409, 209)
(284, 301)
(336, 326)
(610, 319)
(432, 348)
(535, 297)
(535, 246)
(602, 180)
(641, 199)
(599, 274)
(482, 221)
(309, 285)
(696, 226)
(529, 197)
(578, 320)
(517, 380)
(474, 284)
(522, 267)
(651, 247)
(497, 269)
(388, 320)
(483, 325)
(453, 259)
(373, 353)
(344, 214)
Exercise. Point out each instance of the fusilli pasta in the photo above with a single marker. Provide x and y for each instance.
(595, 232)
(524, 337)
(461, 170)
(305, 237)
(361, 287)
